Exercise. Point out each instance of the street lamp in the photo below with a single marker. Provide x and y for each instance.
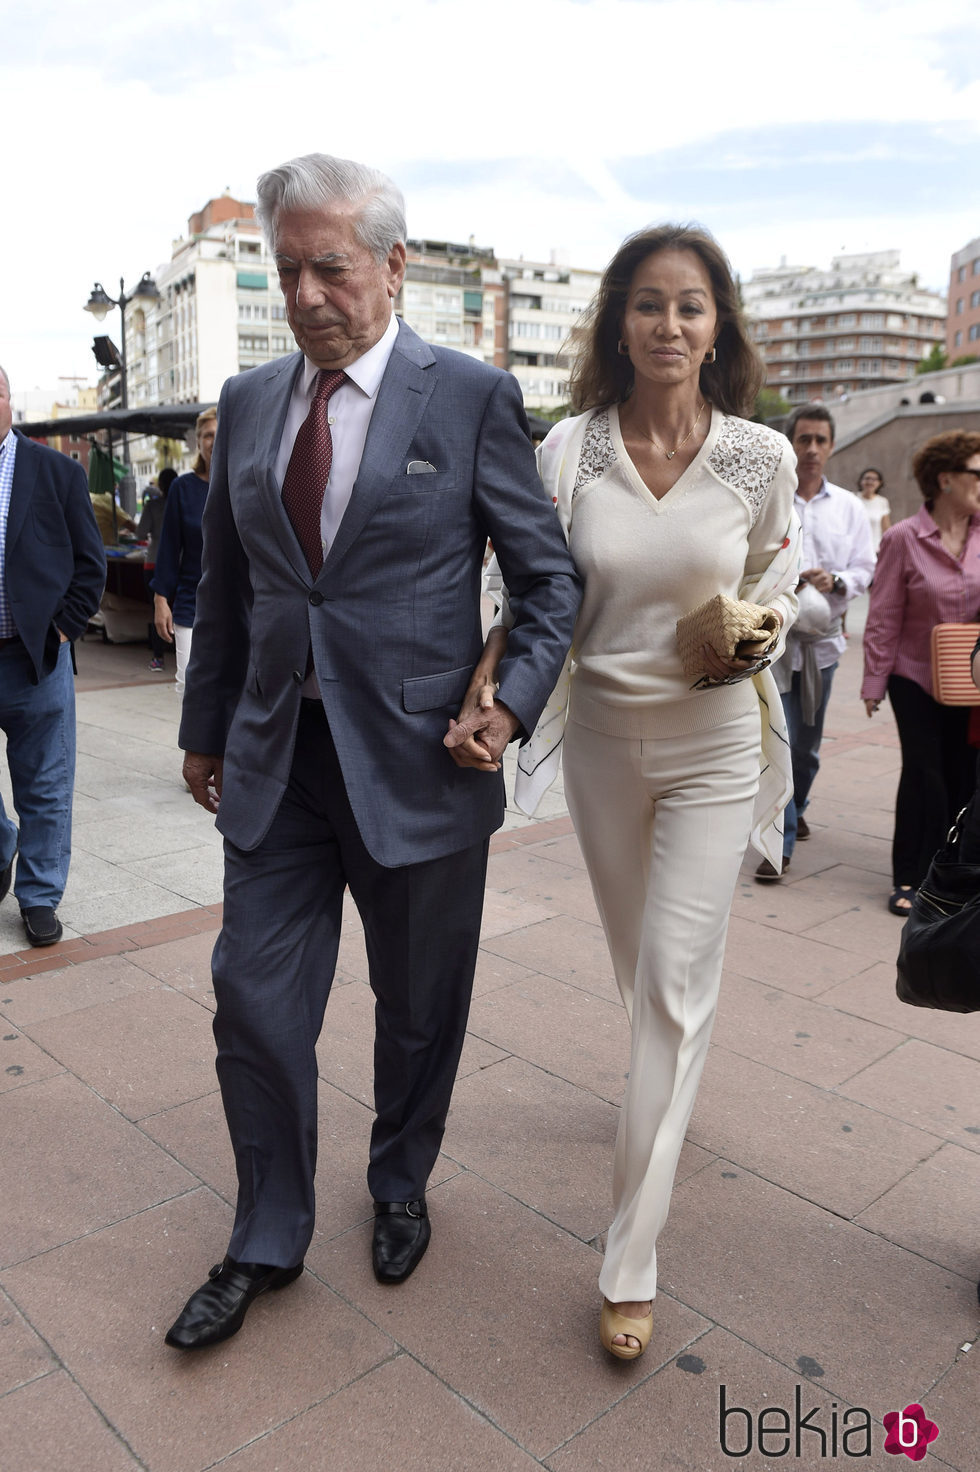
(144, 294)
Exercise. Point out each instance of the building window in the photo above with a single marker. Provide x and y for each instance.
(975, 299)
(976, 266)
(975, 332)
(847, 319)
(961, 274)
(958, 339)
(844, 365)
(959, 306)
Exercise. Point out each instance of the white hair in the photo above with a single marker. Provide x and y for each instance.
(316, 181)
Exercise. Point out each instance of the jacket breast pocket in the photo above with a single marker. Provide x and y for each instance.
(427, 483)
(429, 692)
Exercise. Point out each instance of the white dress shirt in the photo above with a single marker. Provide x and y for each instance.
(349, 415)
(836, 537)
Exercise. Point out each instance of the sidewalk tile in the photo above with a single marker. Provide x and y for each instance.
(51, 1425)
(806, 967)
(77, 1166)
(566, 948)
(71, 989)
(561, 1028)
(552, 1150)
(672, 1420)
(933, 1211)
(504, 1308)
(827, 1149)
(803, 1285)
(143, 1053)
(23, 1356)
(871, 994)
(928, 1087)
(182, 1412)
(398, 1415)
(799, 1037)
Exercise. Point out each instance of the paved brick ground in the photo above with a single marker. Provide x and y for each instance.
(822, 1240)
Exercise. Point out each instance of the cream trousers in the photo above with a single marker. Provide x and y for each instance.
(663, 824)
(182, 644)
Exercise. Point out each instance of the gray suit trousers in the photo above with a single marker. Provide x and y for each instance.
(273, 967)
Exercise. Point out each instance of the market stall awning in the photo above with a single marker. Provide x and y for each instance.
(170, 421)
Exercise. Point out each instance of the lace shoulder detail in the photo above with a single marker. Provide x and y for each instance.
(746, 457)
(597, 453)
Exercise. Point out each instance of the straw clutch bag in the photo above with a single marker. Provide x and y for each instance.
(730, 627)
(952, 651)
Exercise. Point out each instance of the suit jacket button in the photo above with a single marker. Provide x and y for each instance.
(316, 599)
(297, 677)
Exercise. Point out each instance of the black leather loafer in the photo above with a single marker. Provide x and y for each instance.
(42, 925)
(217, 1311)
(401, 1235)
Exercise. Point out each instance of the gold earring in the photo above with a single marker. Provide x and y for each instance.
(624, 348)
(710, 355)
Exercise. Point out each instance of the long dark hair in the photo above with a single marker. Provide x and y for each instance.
(602, 375)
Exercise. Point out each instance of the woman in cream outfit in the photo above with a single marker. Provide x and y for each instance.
(667, 498)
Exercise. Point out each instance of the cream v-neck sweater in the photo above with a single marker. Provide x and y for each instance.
(646, 562)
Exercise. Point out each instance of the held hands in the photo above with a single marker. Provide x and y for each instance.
(203, 776)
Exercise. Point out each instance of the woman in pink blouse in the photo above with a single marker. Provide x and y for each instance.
(928, 573)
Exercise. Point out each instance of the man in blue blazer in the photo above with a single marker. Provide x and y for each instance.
(329, 658)
(52, 571)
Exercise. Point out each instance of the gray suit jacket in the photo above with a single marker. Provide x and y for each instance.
(393, 616)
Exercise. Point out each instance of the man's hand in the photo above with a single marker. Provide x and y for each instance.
(163, 619)
(871, 706)
(203, 776)
(479, 739)
(818, 578)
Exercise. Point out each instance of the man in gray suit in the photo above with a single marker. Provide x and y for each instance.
(333, 644)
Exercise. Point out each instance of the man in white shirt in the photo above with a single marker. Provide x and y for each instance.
(353, 488)
(838, 564)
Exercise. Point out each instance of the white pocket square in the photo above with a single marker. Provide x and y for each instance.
(420, 467)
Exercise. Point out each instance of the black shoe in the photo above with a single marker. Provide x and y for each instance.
(218, 1310)
(802, 828)
(42, 925)
(768, 874)
(401, 1235)
(6, 875)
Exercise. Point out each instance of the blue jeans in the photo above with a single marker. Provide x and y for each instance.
(805, 745)
(39, 721)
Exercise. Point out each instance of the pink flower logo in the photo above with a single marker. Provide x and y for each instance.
(909, 1431)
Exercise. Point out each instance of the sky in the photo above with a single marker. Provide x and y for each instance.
(796, 131)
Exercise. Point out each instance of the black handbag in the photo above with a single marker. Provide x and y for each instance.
(939, 957)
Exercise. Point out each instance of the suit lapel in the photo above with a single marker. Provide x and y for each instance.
(267, 427)
(26, 464)
(406, 388)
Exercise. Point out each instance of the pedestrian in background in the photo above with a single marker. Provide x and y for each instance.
(928, 573)
(150, 526)
(871, 483)
(52, 572)
(178, 557)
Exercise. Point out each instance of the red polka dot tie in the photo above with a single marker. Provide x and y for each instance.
(309, 469)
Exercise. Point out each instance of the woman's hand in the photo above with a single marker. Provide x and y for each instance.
(469, 744)
(163, 619)
(716, 667)
(871, 706)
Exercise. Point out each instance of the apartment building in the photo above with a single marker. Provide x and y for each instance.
(859, 324)
(963, 311)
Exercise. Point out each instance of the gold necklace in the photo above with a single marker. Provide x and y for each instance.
(681, 443)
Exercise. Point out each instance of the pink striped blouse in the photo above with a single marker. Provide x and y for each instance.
(917, 584)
